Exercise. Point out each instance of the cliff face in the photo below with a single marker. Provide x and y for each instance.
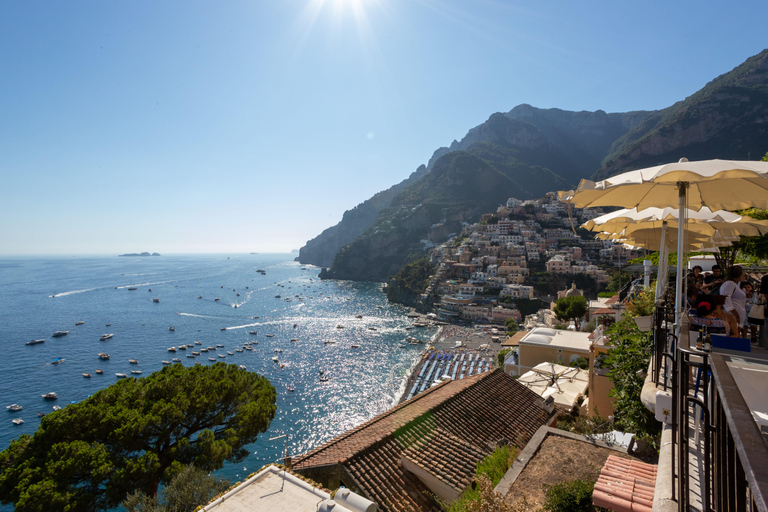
(727, 119)
(322, 249)
(527, 152)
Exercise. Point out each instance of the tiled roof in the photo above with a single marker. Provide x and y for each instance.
(625, 485)
(446, 429)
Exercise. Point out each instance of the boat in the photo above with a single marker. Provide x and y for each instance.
(190, 345)
(274, 359)
(195, 353)
(136, 371)
(294, 340)
(211, 358)
(230, 353)
(323, 378)
(87, 375)
(191, 356)
(120, 375)
(13, 407)
(56, 407)
(171, 328)
(41, 414)
(211, 348)
(99, 372)
(105, 337)
(295, 325)
(279, 350)
(155, 300)
(238, 294)
(176, 360)
(81, 322)
(18, 421)
(197, 363)
(58, 360)
(358, 316)
(277, 296)
(223, 328)
(199, 296)
(171, 349)
(242, 367)
(166, 362)
(59, 334)
(132, 288)
(203, 350)
(219, 345)
(253, 332)
(108, 325)
(238, 350)
(270, 335)
(216, 299)
(182, 347)
(103, 355)
(329, 342)
(290, 388)
(339, 326)
(133, 361)
(198, 343)
(355, 346)
(222, 355)
(35, 342)
(371, 328)
(50, 396)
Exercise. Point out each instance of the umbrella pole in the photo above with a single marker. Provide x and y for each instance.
(682, 188)
(661, 270)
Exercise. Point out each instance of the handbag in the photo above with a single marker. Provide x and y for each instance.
(757, 312)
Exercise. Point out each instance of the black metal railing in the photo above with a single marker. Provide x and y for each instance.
(731, 467)
(664, 343)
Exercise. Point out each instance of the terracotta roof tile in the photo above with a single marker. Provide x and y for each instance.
(447, 429)
(625, 485)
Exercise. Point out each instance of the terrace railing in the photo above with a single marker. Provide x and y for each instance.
(713, 424)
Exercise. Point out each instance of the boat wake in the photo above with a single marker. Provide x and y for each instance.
(72, 292)
(240, 326)
(200, 316)
(142, 284)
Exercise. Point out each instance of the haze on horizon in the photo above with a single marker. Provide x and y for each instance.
(202, 127)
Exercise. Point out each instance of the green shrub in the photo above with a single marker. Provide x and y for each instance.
(572, 496)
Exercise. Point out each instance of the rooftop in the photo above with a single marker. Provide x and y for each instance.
(572, 340)
(430, 444)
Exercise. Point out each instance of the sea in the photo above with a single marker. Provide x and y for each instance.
(216, 299)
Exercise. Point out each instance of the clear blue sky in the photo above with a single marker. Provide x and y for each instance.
(238, 126)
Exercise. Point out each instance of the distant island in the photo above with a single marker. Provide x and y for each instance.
(140, 254)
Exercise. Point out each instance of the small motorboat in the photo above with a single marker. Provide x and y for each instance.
(171, 328)
(18, 421)
(40, 414)
(99, 372)
(195, 353)
(59, 334)
(242, 367)
(136, 371)
(323, 378)
(87, 375)
(253, 332)
(230, 353)
(81, 322)
(190, 345)
(216, 299)
(50, 396)
(103, 355)
(211, 358)
(203, 350)
(223, 328)
(355, 346)
(238, 350)
(274, 359)
(155, 300)
(294, 340)
(222, 355)
(358, 316)
(56, 407)
(270, 335)
(329, 342)
(290, 388)
(211, 348)
(35, 342)
(197, 363)
(182, 347)
(132, 288)
(219, 345)
(13, 407)
(120, 375)
(166, 362)
(176, 360)
(198, 343)
(58, 360)
(171, 349)
(199, 296)
(133, 361)
(339, 326)
(191, 356)
(105, 337)
(278, 350)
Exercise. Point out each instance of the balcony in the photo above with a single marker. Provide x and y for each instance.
(715, 443)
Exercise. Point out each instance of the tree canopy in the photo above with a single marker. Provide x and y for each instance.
(134, 435)
(567, 308)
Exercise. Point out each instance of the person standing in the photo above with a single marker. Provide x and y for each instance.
(735, 298)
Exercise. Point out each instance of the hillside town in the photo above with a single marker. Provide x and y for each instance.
(483, 273)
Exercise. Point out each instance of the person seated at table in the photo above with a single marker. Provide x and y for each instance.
(730, 321)
(707, 316)
(696, 277)
(693, 294)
